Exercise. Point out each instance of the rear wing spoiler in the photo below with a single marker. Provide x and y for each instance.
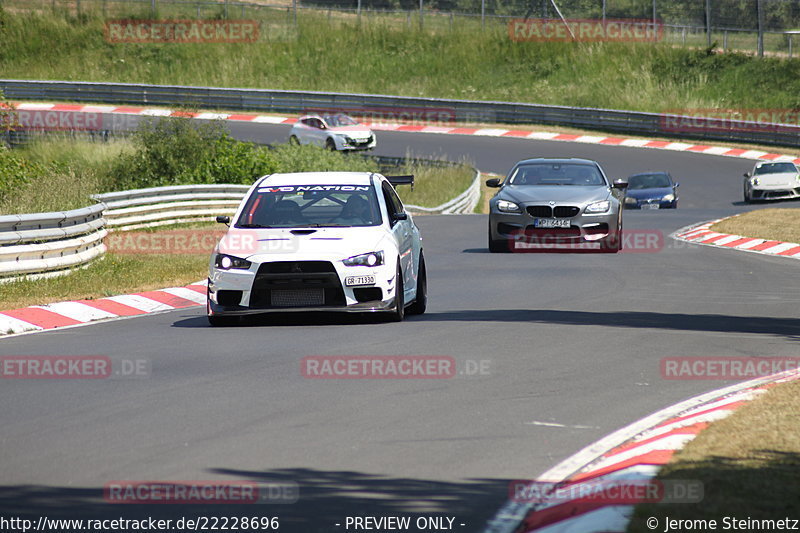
(407, 179)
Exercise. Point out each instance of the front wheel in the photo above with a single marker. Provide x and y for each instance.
(497, 246)
(218, 321)
(294, 141)
(399, 312)
(421, 300)
(330, 144)
(747, 198)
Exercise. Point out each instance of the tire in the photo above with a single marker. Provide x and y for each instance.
(330, 144)
(613, 244)
(497, 246)
(747, 198)
(399, 312)
(294, 141)
(421, 300)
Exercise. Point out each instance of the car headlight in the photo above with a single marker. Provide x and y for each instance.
(371, 259)
(508, 207)
(754, 181)
(228, 262)
(630, 200)
(598, 207)
(668, 198)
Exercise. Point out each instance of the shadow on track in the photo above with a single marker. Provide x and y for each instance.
(789, 327)
(325, 499)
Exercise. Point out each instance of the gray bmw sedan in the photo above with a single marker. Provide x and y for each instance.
(566, 204)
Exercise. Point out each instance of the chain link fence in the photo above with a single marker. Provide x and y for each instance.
(771, 26)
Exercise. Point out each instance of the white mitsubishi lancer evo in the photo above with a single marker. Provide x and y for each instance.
(318, 241)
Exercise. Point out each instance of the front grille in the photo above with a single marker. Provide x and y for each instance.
(559, 211)
(305, 267)
(541, 211)
(565, 211)
(297, 297)
(297, 284)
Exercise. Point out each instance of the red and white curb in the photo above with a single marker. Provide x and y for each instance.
(421, 128)
(632, 455)
(702, 234)
(80, 312)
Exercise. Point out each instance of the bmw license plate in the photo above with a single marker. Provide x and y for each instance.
(353, 281)
(551, 223)
(650, 206)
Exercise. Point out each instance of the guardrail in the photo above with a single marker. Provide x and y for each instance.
(48, 244)
(488, 112)
(158, 206)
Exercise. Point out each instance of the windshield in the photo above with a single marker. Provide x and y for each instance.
(557, 174)
(649, 181)
(296, 206)
(335, 121)
(774, 168)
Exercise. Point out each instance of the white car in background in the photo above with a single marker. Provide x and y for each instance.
(318, 241)
(772, 180)
(334, 132)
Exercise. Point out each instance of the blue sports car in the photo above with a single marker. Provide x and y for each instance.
(651, 190)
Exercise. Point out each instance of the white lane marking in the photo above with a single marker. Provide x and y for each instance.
(269, 120)
(753, 154)
(610, 519)
(187, 294)
(716, 150)
(592, 139)
(634, 142)
(9, 324)
(140, 302)
(557, 425)
(545, 135)
(156, 112)
(680, 147)
(490, 132)
(672, 442)
(750, 244)
(76, 311)
(212, 116)
(726, 240)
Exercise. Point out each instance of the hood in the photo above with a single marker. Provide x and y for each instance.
(573, 194)
(656, 192)
(778, 178)
(248, 243)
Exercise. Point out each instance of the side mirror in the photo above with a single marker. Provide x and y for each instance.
(224, 219)
(620, 184)
(746, 174)
(677, 184)
(400, 216)
(493, 182)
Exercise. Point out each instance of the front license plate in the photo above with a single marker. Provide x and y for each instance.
(352, 281)
(551, 223)
(650, 206)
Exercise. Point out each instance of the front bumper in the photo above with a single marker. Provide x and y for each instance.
(298, 285)
(774, 192)
(583, 228)
(355, 144)
(647, 203)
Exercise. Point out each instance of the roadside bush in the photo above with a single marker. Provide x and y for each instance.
(15, 173)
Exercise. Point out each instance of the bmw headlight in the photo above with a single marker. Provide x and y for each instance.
(507, 207)
(598, 207)
(370, 259)
(630, 200)
(668, 198)
(228, 262)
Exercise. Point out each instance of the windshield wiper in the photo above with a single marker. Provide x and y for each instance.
(318, 225)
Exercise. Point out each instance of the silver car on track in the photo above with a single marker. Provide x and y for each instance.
(556, 204)
(772, 180)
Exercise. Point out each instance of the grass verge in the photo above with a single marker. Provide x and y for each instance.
(384, 57)
(778, 224)
(749, 464)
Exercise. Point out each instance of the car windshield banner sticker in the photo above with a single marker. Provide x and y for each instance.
(302, 188)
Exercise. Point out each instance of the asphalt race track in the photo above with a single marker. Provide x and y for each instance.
(570, 344)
